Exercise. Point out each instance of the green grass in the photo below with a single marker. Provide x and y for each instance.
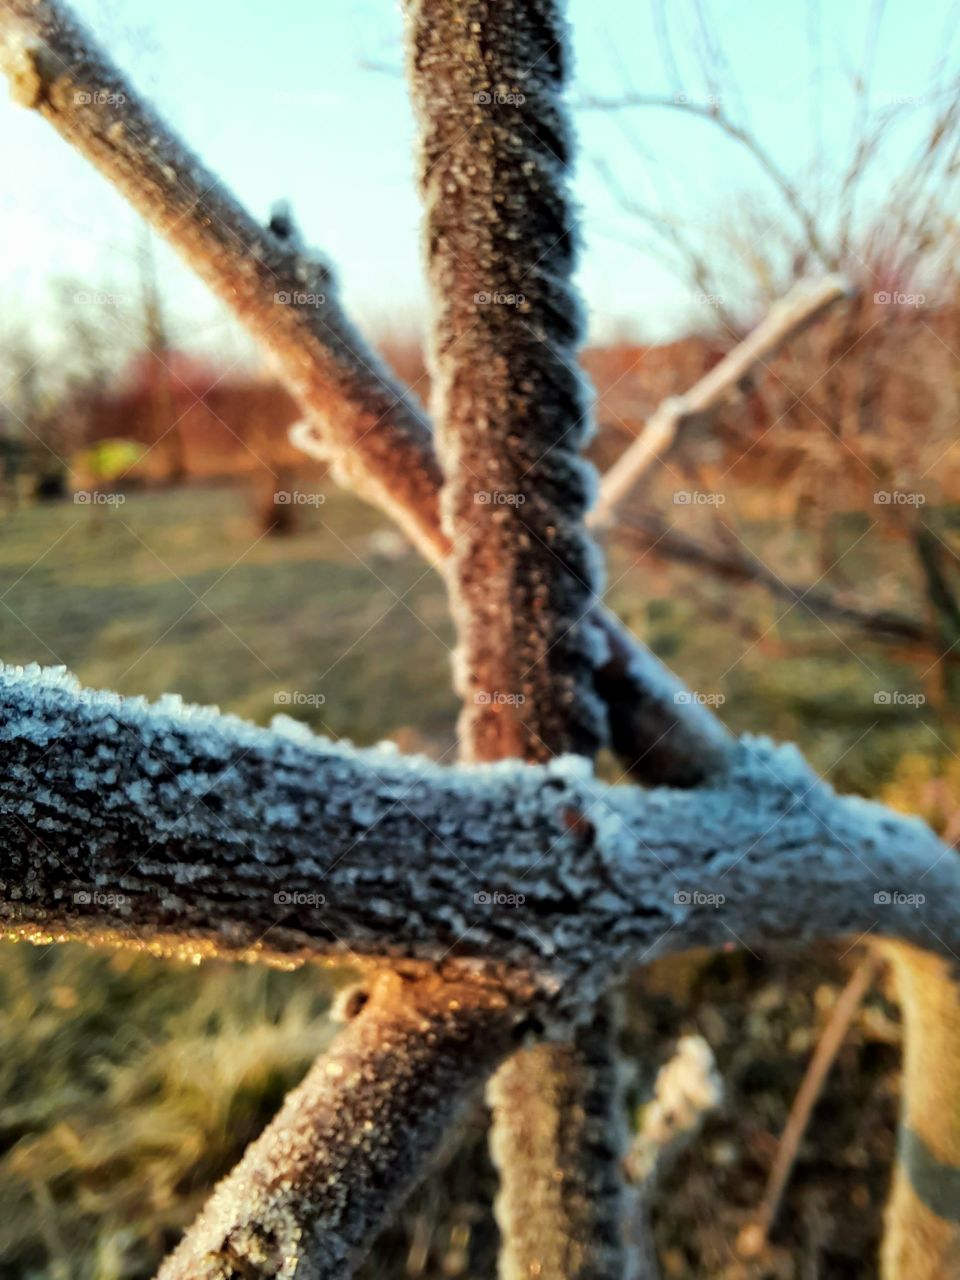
(128, 1085)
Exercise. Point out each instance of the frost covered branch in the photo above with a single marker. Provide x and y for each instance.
(157, 826)
(354, 1138)
(798, 309)
(373, 430)
(511, 408)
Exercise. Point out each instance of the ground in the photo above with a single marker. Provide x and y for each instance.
(128, 1085)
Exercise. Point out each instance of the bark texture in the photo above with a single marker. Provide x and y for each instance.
(172, 826)
(558, 1143)
(353, 1139)
(510, 403)
(922, 1239)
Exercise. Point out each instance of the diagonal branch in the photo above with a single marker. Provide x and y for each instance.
(796, 311)
(354, 1138)
(373, 429)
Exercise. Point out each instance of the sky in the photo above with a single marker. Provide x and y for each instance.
(305, 101)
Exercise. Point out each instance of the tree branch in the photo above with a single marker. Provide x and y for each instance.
(162, 827)
(373, 429)
(796, 311)
(511, 407)
(559, 1135)
(354, 1138)
(663, 541)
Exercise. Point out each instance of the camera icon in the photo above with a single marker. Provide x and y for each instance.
(282, 698)
(882, 698)
(882, 498)
(683, 898)
(882, 297)
(482, 299)
(482, 99)
(482, 497)
(82, 98)
(682, 498)
(82, 898)
(683, 697)
(282, 498)
(882, 899)
(282, 899)
(482, 899)
(82, 497)
(282, 296)
(482, 699)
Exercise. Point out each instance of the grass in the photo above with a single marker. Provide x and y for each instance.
(128, 1085)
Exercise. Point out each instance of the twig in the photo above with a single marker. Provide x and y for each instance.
(804, 304)
(752, 1239)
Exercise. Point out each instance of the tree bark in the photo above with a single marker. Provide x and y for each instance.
(353, 1139)
(558, 1140)
(922, 1237)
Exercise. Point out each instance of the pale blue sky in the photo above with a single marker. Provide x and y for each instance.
(275, 99)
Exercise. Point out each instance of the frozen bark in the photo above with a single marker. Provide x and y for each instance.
(511, 408)
(221, 837)
(353, 1139)
(558, 1142)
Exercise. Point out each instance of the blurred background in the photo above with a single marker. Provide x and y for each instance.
(794, 557)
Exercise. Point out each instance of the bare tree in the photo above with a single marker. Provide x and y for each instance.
(193, 820)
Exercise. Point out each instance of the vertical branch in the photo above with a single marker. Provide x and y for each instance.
(922, 1235)
(511, 407)
(512, 415)
(558, 1142)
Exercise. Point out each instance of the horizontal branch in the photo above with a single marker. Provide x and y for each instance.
(177, 828)
(354, 1138)
(798, 309)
